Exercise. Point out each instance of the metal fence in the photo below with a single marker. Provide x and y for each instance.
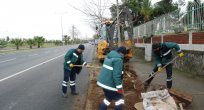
(174, 22)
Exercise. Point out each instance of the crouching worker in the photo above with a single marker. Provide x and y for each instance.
(110, 79)
(163, 55)
(72, 57)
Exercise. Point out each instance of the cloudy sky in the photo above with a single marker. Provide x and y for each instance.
(28, 18)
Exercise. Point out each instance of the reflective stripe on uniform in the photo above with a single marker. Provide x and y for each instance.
(72, 83)
(166, 53)
(107, 67)
(68, 61)
(106, 87)
(121, 101)
(84, 63)
(169, 79)
(75, 55)
(158, 65)
(106, 102)
(64, 84)
(179, 51)
(119, 86)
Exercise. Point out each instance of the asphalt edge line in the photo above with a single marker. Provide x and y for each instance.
(8, 77)
(7, 60)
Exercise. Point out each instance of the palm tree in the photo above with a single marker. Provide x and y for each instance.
(146, 10)
(30, 42)
(39, 40)
(3, 43)
(66, 39)
(17, 42)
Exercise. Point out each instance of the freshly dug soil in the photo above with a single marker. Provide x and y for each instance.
(131, 95)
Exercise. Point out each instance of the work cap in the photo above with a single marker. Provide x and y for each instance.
(82, 47)
(122, 49)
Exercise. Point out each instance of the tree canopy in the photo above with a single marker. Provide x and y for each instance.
(143, 10)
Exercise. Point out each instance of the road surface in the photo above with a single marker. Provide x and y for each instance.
(32, 80)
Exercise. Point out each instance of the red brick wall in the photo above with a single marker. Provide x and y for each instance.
(198, 38)
(140, 40)
(179, 38)
(135, 40)
(156, 39)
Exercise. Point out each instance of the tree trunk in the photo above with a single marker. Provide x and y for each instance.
(17, 47)
(31, 47)
(38, 45)
(66, 42)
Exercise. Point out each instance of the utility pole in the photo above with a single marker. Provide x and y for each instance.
(61, 15)
(73, 32)
(62, 28)
(118, 23)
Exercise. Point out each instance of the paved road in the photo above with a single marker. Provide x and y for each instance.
(32, 80)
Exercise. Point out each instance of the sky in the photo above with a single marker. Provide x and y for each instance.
(29, 18)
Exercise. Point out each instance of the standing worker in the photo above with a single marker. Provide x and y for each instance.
(163, 55)
(72, 57)
(110, 79)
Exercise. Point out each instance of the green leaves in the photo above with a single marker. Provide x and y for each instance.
(39, 40)
(17, 42)
(144, 11)
(3, 43)
(30, 42)
(66, 39)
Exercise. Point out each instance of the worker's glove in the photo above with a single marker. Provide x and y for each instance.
(71, 65)
(159, 66)
(120, 91)
(181, 54)
(159, 69)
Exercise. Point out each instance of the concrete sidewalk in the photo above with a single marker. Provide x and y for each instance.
(181, 81)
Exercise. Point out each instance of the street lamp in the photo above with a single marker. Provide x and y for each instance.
(61, 13)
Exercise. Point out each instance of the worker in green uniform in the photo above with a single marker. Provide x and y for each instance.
(110, 78)
(163, 55)
(72, 57)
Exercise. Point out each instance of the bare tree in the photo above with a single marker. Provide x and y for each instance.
(74, 32)
(95, 10)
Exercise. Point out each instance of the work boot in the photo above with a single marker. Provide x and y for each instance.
(73, 90)
(64, 95)
(74, 93)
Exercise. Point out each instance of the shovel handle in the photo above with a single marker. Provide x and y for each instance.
(162, 68)
(86, 66)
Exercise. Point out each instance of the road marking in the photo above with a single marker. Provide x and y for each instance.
(7, 60)
(32, 55)
(1, 80)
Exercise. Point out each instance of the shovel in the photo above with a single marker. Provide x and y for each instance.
(141, 84)
(88, 66)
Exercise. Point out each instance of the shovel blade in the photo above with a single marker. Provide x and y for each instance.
(138, 85)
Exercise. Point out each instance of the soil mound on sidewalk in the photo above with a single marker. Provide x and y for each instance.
(131, 95)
